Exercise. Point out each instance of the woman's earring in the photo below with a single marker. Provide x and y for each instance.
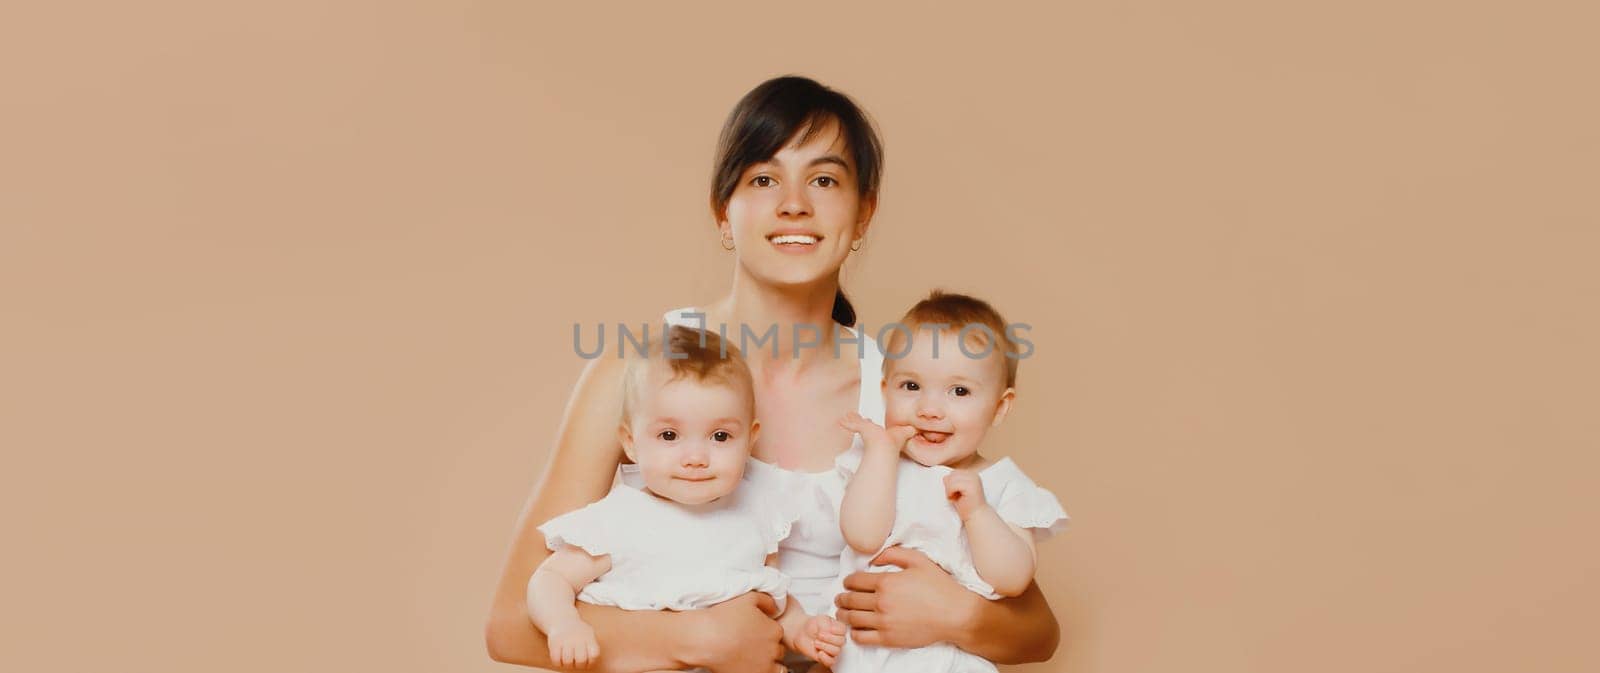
(856, 246)
(727, 243)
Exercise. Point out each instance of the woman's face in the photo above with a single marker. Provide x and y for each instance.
(794, 217)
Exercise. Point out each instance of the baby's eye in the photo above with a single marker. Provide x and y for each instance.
(825, 181)
(668, 435)
(761, 181)
(721, 435)
(910, 385)
(961, 391)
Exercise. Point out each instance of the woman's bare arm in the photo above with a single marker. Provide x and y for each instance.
(1017, 630)
(582, 465)
(580, 470)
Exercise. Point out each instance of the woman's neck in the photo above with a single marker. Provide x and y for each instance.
(760, 308)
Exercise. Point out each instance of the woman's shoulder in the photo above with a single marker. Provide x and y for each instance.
(687, 316)
(607, 346)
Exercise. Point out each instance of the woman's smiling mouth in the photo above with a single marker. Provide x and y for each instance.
(794, 242)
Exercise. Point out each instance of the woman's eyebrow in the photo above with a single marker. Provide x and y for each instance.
(830, 159)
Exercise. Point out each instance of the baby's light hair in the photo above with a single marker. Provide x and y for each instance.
(696, 355)
(956, 311)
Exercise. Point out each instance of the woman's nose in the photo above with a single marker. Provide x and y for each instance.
(795, 203)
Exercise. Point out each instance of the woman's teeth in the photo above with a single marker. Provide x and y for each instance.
(794, 239)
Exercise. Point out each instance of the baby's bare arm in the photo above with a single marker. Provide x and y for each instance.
(554, 587)
(867, 514)
(1002, 553)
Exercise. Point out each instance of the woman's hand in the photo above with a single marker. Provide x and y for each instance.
(739, 635)
(922, 604)
(915, 607)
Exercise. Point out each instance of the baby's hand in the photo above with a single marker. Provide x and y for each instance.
(820, 638)
(573, 646)
(965, 491)
(874, 436)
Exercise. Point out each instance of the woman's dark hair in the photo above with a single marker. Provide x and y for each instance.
(768, 117)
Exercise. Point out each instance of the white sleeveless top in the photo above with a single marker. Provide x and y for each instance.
(810, 555)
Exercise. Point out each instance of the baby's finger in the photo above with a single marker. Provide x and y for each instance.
(901, 433)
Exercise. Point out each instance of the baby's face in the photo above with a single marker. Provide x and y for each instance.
(952, 400)
(691, 439)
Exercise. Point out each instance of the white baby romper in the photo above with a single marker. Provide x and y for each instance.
(926, 521)
(669, 556)
(810, 555)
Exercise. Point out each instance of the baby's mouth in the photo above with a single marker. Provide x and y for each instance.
(933, 437)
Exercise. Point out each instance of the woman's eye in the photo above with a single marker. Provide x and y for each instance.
(910, 385)
(668, 435)
(961, 391)
(721, 435)
(761, 181)
(825, 181)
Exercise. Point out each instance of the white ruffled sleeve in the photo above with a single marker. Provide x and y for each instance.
(1025, 504)
(772, 496)
(849, 462)
(594, 528)
(777, 518)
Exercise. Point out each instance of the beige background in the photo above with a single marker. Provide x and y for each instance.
(288, 293)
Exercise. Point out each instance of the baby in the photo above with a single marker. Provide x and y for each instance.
(922, 484)
(692, 537)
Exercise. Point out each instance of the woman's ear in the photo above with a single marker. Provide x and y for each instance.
(869, 206)
(1004, 407)
(625, 437)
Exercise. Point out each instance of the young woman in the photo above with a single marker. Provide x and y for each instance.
(793, 192)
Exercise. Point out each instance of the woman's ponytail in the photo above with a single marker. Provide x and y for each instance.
(843, 312)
